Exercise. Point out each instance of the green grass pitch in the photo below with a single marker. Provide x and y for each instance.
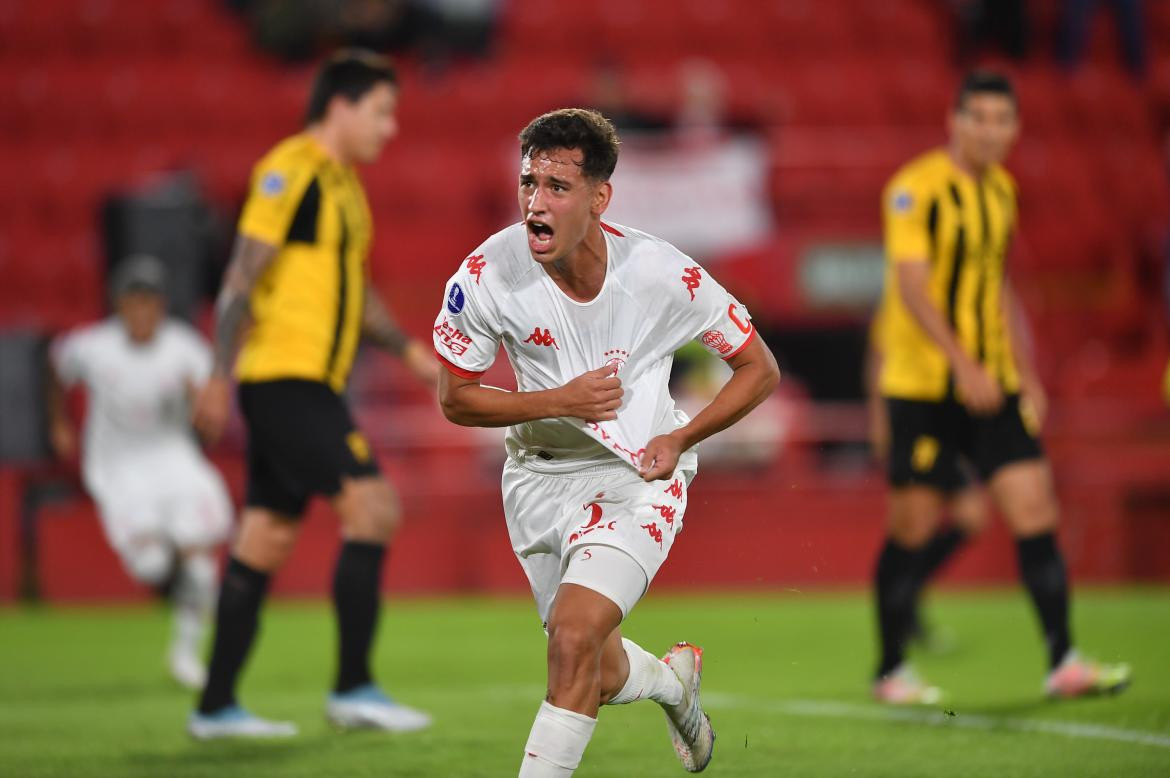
(83, 692)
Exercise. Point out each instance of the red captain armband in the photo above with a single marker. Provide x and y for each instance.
(470, 375)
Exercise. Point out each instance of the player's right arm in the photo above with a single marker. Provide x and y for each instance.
(250, 258)
(592, 396)
(907, 246)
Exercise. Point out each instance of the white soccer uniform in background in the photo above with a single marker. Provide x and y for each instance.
(154, 489)
(567, 482)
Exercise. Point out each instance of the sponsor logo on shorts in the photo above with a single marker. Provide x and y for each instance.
(692, 277)
(542, 338)
(594, 523)
(713, 339)
(475, 266)
(455, 340)
(924, 454)
(455, 300)
(359, 446)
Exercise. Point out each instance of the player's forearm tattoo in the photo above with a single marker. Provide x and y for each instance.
(249, 260)
(379, 326)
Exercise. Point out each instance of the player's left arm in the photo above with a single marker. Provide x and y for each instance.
(1032, 394)
(754, 376)
(380, 327)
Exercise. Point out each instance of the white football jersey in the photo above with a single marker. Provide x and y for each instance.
(654, 300)
(138, 395)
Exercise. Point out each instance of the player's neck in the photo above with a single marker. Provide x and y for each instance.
(965, 165)
(581, 274)
(327, 139)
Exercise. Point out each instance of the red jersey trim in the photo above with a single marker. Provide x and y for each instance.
(468, 374)
(611, 230)
(750, 338)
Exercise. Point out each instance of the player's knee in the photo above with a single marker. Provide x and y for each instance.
(149, 564)
(369, 512)
(573, 646)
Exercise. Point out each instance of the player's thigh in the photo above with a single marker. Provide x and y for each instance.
(1026, 497)
(967, 504)
(266, 539)
(368, 508)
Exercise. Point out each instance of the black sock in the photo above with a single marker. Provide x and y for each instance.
(933, 555)
(356, 598)
(237, 616)
(1042, 568)
(894, 581)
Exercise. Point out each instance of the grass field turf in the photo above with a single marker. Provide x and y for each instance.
(83, 692)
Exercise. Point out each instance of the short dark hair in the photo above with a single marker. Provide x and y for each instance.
(985, 82)
(575, 128)
(349, 73)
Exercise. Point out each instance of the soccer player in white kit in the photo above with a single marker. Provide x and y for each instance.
(599, 460)
(163, 507)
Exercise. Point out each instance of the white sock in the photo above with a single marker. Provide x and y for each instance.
(556, 742)
(194, 599)
(650, 678)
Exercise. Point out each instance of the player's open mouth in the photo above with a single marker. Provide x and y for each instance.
(539, 236)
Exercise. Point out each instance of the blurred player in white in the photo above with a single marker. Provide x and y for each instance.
(599, 459)
(163, 507)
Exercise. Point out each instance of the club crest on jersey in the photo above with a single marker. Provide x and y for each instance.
(475, 266)
(272, 184)
(455, 300)
(541, 337)
(692, 277)
(715, 340)
(616, 358)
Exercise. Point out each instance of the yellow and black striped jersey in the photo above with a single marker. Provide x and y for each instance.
(307, 306)
(934, 212)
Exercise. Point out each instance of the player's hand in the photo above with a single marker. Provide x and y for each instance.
(977, 389)
(592, 396)
(660, 458)
(63, 439)
(420, 361)
(212, 407)
(1033, 401)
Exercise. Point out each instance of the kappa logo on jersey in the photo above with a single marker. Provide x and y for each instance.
(666, 512)
(654, 532)
(455, 300)
(542, 338)
(635, 456)
(453, 338)
(692, 277)
(714, 339)
(675, 490)
(594, 524)
(475, 266)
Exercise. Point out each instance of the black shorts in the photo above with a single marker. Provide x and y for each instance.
(301, 442)
(930, 440)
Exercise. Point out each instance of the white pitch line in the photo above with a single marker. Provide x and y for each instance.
(846, 710)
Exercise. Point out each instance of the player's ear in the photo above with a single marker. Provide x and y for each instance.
(602, 193)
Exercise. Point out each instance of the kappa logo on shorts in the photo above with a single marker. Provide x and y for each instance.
(358, 445)
(594, 524)
(692, 277)
(544, 338)
(714, 339)
(475, 266)
(666, 512)
(675, 490)
(654, 532)
(925, 453)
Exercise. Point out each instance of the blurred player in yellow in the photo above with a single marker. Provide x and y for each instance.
(958, 382)
(296, 293)
(163, 507)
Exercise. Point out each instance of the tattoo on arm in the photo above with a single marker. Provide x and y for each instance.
(250, 258)
(379, 326)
